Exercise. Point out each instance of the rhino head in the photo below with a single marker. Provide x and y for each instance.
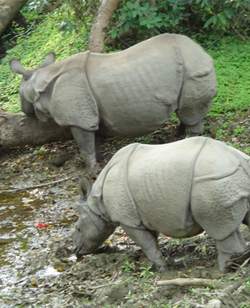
(91, 230)
(29, 96)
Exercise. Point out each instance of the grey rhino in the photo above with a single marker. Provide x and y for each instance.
(178, 189)
(128, 93)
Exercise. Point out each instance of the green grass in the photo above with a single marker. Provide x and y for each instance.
(31, 50)
(232, 64)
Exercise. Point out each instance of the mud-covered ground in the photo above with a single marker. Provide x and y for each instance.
(39, 269)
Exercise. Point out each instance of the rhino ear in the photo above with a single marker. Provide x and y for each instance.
(17, 68)
(49, 59)
(84, 187)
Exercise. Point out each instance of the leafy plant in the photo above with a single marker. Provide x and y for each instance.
(40, 152)
(141, 18)
(224, 14)
(147, 19)
(37, 5)
(128, 267)
(130, 297)
(146, 272)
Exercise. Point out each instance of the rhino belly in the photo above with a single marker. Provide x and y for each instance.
(142, 121)
(171, 225)
(137, 89)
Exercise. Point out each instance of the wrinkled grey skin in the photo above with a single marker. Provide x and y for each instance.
(128, 93)
(178, 189)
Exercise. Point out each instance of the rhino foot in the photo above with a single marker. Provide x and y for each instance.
(147, 240)
(92, 172)
(229, 247)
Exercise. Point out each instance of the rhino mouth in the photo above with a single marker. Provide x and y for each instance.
(77, 252)
(80, 251)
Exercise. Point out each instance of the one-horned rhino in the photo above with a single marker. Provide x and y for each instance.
(128, 93)
(178, 189)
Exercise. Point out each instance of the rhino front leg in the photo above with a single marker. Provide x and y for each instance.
(86, 142)
(147, 240)
(233, 244)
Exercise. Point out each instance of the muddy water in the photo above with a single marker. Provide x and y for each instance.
(16, 214)
(19, 214)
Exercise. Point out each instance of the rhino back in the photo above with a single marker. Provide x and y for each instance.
(159, 180)
(137, 89)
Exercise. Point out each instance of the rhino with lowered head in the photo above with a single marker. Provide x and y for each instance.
(178, 189)
(128, 93)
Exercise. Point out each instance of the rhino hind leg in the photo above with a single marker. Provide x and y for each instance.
(230, 246)
(190, 130)
(147, 240)
(195, 130)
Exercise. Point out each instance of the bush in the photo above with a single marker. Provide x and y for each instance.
(147, 18)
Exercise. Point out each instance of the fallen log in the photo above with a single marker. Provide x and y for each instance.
(18, 129)
(191, 282)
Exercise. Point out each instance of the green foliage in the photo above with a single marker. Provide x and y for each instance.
(128, 267)
(40, 151)
(225, 14)
(31, 48)
(36, 6)
(147, 18)
(146, 272)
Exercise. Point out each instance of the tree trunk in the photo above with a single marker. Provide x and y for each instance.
(19, 129)
(100, 25)
(8, 10)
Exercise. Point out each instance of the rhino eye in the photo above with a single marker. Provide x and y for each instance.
(78, 229)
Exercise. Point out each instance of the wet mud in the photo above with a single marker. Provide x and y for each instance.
(39, 269)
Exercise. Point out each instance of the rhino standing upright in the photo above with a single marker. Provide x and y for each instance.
(177, 189)
(128, 93)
